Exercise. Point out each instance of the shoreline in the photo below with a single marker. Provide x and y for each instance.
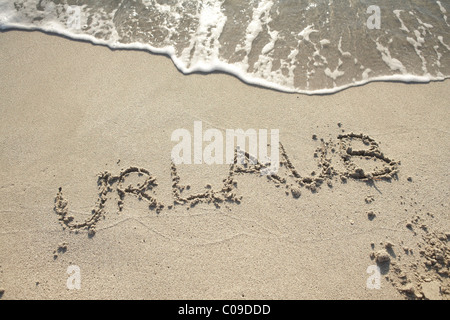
(226, 69)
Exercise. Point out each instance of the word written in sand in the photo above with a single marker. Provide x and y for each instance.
(337, 161)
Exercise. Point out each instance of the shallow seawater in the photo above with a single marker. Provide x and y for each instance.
(289, 45)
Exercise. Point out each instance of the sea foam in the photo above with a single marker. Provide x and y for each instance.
(293, 46)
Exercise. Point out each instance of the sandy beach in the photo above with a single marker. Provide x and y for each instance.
(71, 111)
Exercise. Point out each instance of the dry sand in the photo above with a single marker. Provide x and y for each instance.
(71, 110)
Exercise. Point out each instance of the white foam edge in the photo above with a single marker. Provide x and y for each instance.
(220, 66)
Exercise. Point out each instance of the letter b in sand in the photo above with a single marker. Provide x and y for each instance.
(74, 280)
(374, 21)
(374, 281)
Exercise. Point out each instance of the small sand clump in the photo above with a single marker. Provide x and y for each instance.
(382, 256)
(296, 193)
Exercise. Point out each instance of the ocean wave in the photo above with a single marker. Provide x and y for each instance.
(289, 45)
